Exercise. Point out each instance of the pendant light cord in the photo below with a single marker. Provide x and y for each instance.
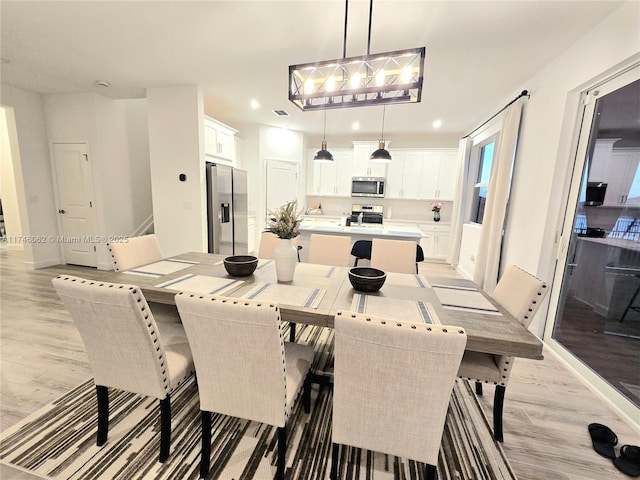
(370, 16)
(384, 107)
(324, 128)
(344, 44)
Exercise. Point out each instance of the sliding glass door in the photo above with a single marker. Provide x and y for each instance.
(597, 318)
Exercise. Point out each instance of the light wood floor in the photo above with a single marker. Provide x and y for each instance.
(547, 409)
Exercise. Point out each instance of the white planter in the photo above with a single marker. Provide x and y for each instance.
(286, 257)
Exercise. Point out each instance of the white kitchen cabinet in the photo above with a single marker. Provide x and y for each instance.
(435, 241)
(615, 167)
(331, 179)
(404, 174)
(362, 166)
(439, 174)
(219, 140)
(428, 174)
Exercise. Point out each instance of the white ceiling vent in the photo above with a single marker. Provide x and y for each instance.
(281, 113)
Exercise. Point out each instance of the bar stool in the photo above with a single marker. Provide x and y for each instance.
(631, 305)
(362, 250)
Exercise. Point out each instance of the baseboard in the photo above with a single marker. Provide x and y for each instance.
(44, 263)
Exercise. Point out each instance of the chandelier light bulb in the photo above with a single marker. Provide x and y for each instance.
(406, 75)
(380, 76)
(355, 80)
(331, 84)
(308, 86)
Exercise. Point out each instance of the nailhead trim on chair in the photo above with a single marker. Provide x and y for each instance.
(113, 258)
(139, 300)
(270, 305)
(412, 326)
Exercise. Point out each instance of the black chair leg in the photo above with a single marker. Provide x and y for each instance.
(282, 450)
(498, 406)
(306, 394)
(205, 418)
(479, 389)
(292, 332)
(335, 458)
(430, 472)
(165, 428)
(103, 414)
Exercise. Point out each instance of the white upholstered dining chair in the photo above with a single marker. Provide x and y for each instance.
(243, 366)
(521, 294)
(126, 348)
(134, 252)
(330, 250)
(269, 242)
(392, 386)
(394, 255)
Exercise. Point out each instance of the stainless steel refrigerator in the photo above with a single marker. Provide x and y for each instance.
(227, 210)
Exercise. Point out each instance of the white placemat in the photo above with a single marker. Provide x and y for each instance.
(202, 284)
(315, 270)
(287, 294)
(464, 299)
(161, 268)
(394, 309)
(406, 280)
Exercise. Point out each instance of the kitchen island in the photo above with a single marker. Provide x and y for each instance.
(336, 226)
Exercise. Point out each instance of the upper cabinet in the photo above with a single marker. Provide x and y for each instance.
(617, 168)
(428, 174)
(329, 179)
(362, 166)
(219, 141)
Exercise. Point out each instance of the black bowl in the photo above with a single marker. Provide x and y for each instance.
(367, 279)
(240, 265)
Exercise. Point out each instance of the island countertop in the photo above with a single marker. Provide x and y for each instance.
(337, 227)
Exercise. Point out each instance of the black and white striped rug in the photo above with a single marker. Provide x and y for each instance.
(59, 441)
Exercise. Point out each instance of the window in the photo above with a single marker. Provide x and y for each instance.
(481, 186)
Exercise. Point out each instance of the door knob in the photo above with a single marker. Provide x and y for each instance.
(61, 211)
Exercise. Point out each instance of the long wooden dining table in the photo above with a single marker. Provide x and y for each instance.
(325, 290)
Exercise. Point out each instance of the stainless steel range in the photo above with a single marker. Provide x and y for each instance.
(371, 214)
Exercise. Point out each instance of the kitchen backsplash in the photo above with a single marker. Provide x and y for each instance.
(393, 209)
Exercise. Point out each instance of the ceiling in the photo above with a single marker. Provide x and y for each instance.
(479, 53)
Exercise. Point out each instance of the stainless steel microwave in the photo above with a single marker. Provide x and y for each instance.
(367, 187)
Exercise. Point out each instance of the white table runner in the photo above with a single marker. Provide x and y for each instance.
(316, 270)
(202, 284)
(406, 280)
(394, 309)
(161, 268)
(464, 299)
(287, 294)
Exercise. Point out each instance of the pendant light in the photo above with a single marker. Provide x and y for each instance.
(323, 155)
(381, 155)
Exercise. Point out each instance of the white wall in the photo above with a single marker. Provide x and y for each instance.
(176, 133)
(544, 160)
(38, 212)
(259, 143)
(135, 111)
(9, 183)
(469, 249)
(103, 125)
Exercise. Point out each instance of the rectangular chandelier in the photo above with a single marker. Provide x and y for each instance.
(392, 77)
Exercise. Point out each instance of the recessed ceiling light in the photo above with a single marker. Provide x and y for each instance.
(255, 104)
(103, 83)
(355, 125)
(437, 124)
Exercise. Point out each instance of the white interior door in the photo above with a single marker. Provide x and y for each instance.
(282, 183)
(74, 194)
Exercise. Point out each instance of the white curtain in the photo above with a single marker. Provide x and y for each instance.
(488, 256)
(460, 204)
